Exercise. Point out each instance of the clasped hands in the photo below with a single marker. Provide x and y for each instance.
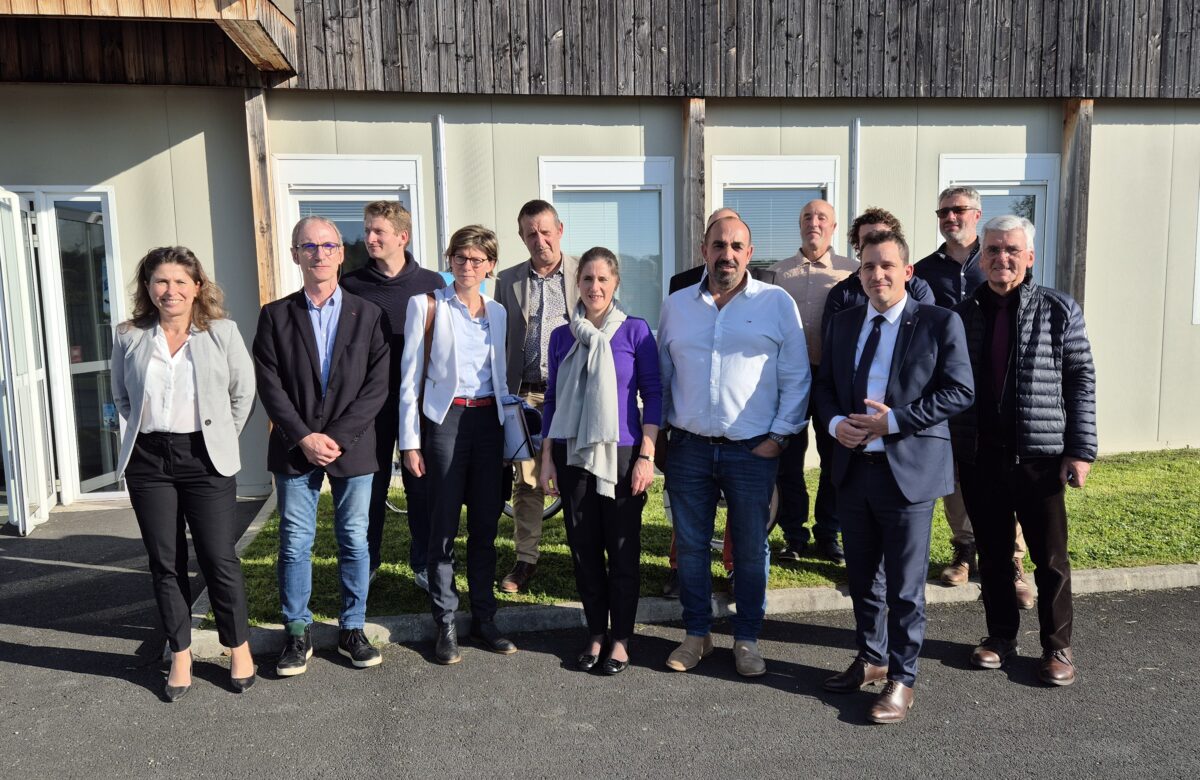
(321, 450)
(859, 430)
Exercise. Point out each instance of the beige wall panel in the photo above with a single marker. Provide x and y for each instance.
(1131, 169)
(1181, 339)
(175, 159)
(888, 175)
(302, 122)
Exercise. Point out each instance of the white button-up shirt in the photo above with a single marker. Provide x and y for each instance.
(473, 345)
(739, 371)
(881, 364)
(171, 405)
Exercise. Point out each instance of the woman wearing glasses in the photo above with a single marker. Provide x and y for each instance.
(183, 381)
(451, 384)
(601, 456)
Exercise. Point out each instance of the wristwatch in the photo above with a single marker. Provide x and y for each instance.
(646, 457)
(779, 439)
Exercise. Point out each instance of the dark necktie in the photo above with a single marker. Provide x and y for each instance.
(859, 387)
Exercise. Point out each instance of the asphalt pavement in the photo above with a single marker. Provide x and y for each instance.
(80, 682)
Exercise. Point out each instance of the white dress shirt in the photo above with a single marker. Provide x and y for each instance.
(170, 403)
(881, 364)
(739, 371)
(473, 340)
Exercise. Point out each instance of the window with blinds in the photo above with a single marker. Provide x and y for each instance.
(773, 216)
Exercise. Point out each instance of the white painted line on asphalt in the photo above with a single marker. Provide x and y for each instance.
(73, 565)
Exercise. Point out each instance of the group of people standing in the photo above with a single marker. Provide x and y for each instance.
(351, 367)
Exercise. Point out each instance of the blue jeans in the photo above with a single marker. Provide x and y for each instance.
(297, 496)
(697, 472)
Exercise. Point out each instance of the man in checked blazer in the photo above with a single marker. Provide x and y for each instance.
(321, 359)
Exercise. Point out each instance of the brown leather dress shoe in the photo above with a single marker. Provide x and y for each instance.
(992, 652)
(859, 675)
(893, 704)
(959, 570)
(517, 579)
(1057, 667)
(1025, 597)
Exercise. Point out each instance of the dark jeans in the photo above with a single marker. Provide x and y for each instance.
(173, 487)
(463, 465)
(887, 560)
(386, 427)
(598, 526)
(999, 493)
(793, 490)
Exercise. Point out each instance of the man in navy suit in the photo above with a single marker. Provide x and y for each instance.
(893, 374)
(321, 360)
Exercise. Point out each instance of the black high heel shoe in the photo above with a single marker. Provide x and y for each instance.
(174, 693)
(242, 684)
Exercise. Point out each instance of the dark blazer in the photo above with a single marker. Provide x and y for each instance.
(289, 384)
(930, 381)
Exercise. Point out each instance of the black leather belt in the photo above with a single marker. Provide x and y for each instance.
(711, 439)
(874, 458)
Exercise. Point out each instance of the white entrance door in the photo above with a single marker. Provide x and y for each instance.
(28, 470)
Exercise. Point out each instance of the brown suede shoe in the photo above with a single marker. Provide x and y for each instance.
(689, 653)
(992, 652)
(1057, 667)
(857, 676)
(893, 704)
(518, 579)
(959, 570)
(1025, 597)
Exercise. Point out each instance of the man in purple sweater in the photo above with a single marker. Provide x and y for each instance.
(388, 281)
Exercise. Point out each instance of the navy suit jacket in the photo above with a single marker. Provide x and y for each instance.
(930, 381)
(289, 384)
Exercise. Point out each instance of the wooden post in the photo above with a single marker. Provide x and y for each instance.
(261, 194)
(693, 182)
(1075, 182)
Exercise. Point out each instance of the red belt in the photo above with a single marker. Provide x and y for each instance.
(473, 402)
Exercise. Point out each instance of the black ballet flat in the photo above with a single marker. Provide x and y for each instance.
(242, 684)
(586, 662)
(612, 666)
(175, 692)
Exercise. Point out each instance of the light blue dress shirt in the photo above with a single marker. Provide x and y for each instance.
(324, 321)
(739, 371)
(881, 364)
(473, 345)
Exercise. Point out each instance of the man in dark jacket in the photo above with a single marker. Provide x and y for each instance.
(1032, 431)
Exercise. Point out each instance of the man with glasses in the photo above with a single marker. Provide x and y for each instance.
(539, 295)
(953, 272)
(321, 360)
(808, 278)
(388, 281)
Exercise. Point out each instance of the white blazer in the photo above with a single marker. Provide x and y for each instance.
(441, 379)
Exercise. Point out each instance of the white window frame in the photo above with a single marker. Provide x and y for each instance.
(1196, 287)
(341, 176)
(776, 172)
(618, 174)
(58, 365)
(1012, 170)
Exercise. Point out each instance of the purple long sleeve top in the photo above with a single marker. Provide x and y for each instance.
(635, 356)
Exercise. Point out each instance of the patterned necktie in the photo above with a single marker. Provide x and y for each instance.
(859, 387)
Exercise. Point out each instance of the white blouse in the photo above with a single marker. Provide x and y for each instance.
(171, 405)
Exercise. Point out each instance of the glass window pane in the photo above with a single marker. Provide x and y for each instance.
(628, 223)
(1023, 204)
(85, 280)
(773, 216)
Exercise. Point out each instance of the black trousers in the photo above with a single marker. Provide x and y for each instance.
(173, 487)
(598, 527)
(793, 490)
(998, 493)
(386, 429)
(463, 465)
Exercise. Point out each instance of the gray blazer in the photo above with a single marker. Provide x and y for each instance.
(224, 387)
(512, 292)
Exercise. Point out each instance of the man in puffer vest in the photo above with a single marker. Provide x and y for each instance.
(1031, 432)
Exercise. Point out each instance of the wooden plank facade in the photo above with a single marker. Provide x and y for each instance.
(754, 48)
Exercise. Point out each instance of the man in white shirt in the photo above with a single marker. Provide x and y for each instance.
(736, 380)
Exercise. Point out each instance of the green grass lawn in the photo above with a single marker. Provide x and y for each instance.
(1138, 509)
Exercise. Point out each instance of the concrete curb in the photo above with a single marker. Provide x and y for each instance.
(267, 639)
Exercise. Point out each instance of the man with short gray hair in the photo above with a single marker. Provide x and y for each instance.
(1031, 432)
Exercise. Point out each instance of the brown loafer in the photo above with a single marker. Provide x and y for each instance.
(1057, 667)
(857, 676)
(992, 652)
(518, 579)
(893, 704)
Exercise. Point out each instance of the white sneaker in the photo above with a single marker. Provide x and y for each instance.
(421, 580)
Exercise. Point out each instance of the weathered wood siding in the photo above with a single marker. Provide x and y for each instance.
(760, 48)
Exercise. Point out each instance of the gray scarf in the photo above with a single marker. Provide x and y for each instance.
(585, 398)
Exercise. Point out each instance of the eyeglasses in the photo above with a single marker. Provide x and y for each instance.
(312, 249)
(942, 213)
(463, 260)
